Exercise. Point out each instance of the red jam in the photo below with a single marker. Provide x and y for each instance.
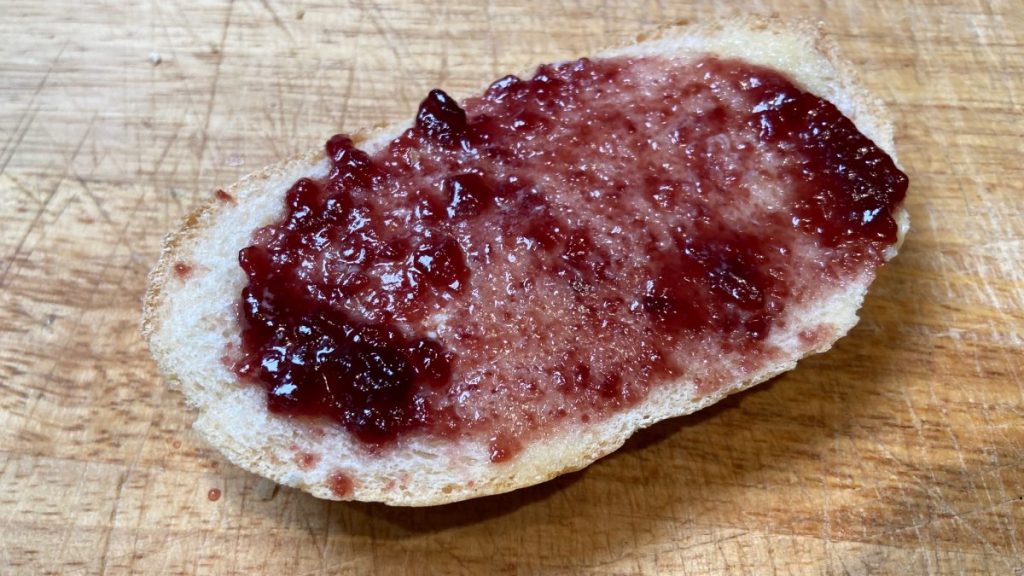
(553, 249)
(341, 484)
(182, 270)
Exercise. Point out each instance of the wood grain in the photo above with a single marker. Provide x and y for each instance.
(899, 452)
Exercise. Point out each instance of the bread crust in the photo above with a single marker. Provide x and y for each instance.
(233, 415)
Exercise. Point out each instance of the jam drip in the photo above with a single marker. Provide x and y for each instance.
(557, 247)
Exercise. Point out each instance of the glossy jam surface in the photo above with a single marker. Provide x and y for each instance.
(553, 249)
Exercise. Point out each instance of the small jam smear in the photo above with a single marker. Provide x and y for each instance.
(555, 248)
(182, 270)
(341, 484)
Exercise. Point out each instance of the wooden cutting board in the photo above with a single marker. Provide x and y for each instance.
(901, 451)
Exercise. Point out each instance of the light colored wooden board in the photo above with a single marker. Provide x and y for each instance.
(901, 451)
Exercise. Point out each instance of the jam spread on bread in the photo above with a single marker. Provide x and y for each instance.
(557, 247)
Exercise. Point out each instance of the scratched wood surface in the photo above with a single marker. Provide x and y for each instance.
(900, 452)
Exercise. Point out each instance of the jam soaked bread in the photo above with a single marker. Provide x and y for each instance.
(508, 287)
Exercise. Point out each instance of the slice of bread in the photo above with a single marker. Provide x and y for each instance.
(191, 322)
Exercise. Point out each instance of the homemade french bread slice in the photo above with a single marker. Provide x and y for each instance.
(190, 316)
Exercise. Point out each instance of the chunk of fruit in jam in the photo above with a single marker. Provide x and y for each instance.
(440, 117)
(467, 195)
